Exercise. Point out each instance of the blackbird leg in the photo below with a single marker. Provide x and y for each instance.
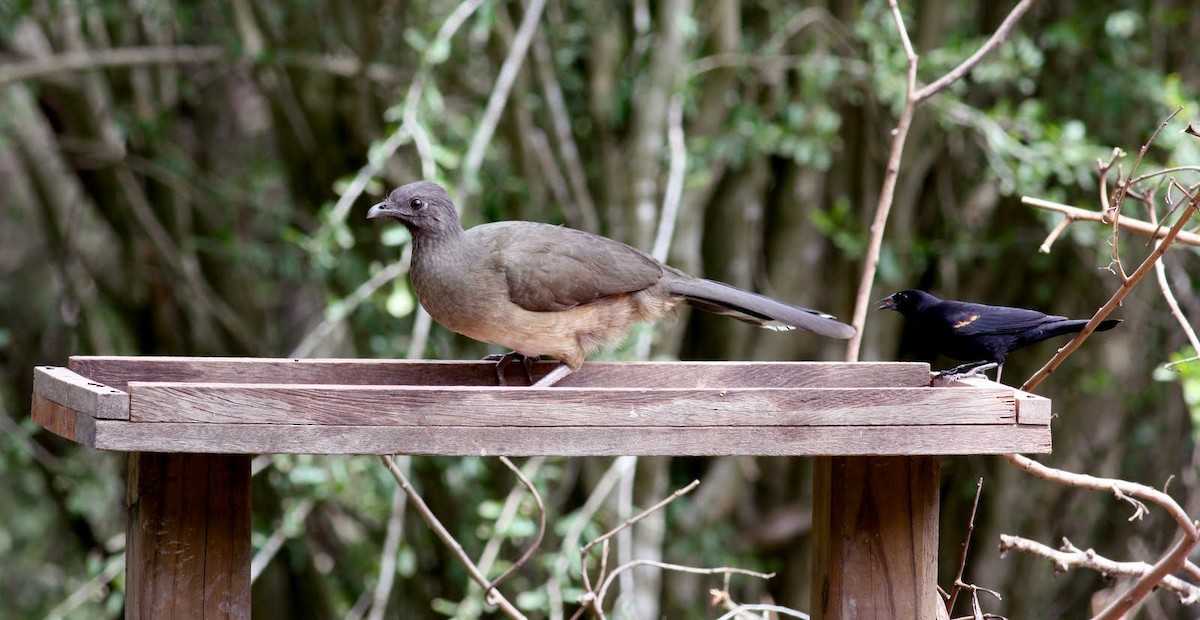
(503, 360)
(969, 369)
(556, 375)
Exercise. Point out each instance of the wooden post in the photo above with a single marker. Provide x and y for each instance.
(187, 553)
(875, 537)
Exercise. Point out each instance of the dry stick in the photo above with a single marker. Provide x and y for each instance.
(1071, 557)
(1160, 273)
(913, 98)
(1115, 301)
(599, 493)
(418, 503)
(1058, 230)
(599, 598)
(591, 597)
(1006, 27)
(1123, 189)
(537, 541)
(1147, 582)
(884, 205)
(1141, 227)
(391, 547)
(962, 560)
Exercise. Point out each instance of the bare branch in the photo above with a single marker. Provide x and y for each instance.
(1172, 561)
(994, 41)
(418, 503)
(962, 560)
(638, 517)
(391, 546)
(1071, 557)
(603, 590)
(1160, 273)
(1128, 223)
(1058, 230)
(1115, 300)
(884, 205)
(537, 541)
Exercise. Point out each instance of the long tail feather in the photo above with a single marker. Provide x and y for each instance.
(756, 309)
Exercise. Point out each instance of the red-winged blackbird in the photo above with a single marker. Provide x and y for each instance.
(977, 334)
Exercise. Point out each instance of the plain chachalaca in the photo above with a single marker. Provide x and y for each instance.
(977, 334)
(540, 289)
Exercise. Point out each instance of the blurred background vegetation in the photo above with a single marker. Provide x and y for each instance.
(192, 179)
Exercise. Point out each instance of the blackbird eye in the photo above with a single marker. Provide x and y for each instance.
(416, 203)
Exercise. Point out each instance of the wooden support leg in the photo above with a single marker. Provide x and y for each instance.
(187, 552)
(875, 537)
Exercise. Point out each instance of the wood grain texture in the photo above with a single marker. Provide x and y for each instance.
(594, 407)
(119, 371)
(570, 441)
(875, 537)
(64, 422)
(80, 393)
(188, 532)
(1031, 408)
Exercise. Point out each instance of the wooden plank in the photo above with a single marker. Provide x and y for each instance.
(599, 407)
(118, 371)
(1031, 408)
(875, 537)
(62, 421)
(80, 393)
(188, 532)
(570, 441)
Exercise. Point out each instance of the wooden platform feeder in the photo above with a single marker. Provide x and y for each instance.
(191, 424)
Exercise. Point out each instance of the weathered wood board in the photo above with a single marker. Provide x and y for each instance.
(248, 405)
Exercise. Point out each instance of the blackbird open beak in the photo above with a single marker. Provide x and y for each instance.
(887, 303)
(379, 210)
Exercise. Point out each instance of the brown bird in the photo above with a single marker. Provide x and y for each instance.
(540, 289)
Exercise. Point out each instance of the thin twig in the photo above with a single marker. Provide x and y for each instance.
(1128, 223)
(537, 541)
(638, 517)
(418, 503)
(603, 591)
(1071, 557)
(391, 548)
(886, 194)
(580, 520)
(113, 567)
(1160, 273)
(1114, 301)
(1122, 489)
(1054, 233)
(994, 41)
(1169, 563)
(962, 560)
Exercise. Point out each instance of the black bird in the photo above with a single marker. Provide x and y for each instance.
(977, 334)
